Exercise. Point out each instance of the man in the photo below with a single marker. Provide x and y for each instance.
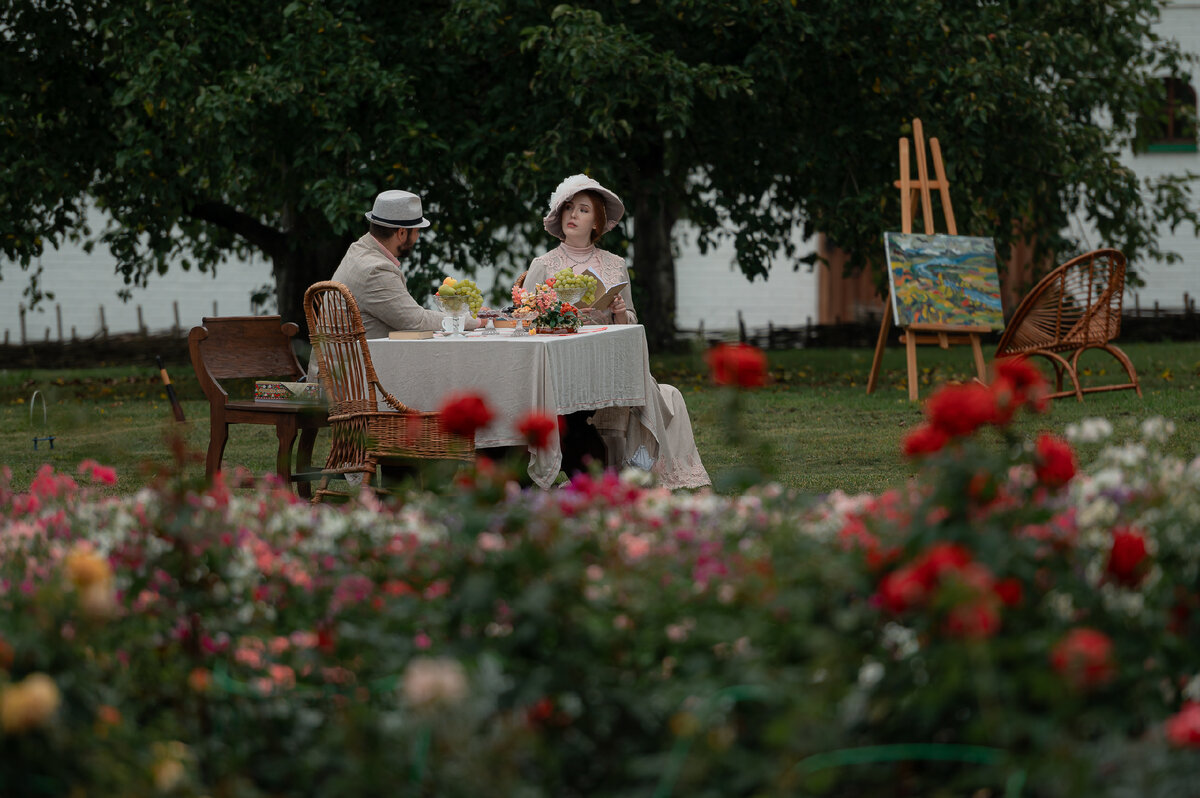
(371, 268)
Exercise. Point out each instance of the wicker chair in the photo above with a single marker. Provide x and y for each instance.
(1074, 308)
(362, 433)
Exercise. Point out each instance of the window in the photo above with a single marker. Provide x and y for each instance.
(1173, 128)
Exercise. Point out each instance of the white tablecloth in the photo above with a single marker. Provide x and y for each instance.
(558, 374)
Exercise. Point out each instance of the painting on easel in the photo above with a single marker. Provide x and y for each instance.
(941, 279)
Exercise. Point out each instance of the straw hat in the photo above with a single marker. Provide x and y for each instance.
(397, 209)
(613, 207)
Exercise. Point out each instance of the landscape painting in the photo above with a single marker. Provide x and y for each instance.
(941, 279)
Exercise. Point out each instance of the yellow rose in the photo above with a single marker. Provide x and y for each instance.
(430, 683)
(98, 601)
(85, 567)
(167, 774)
(169, 766)
(29, 703)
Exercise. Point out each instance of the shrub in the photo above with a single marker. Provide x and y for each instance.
(610, 638)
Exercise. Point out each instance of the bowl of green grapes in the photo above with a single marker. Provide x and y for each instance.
(575, 288)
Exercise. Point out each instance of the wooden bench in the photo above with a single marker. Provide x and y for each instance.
(253, 348)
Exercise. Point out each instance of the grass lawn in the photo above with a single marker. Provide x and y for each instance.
(823, 430)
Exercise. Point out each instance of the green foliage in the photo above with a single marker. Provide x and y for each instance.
(204, 129)
(602, 639)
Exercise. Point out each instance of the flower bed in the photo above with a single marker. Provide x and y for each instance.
(609, 638)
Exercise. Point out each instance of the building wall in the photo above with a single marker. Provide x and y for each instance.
(1167, 284)
(83, 283)
(710, 292)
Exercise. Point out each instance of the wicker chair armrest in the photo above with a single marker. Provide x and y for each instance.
(391, 400)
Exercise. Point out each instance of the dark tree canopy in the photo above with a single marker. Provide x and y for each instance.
(209, 127)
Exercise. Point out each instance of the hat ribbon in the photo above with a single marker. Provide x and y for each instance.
(397, 222)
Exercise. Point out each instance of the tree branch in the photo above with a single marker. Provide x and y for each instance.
(268, 239)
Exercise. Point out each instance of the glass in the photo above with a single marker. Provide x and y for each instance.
(491, 316)
(519, 322)
(571, 295)
(456, 309)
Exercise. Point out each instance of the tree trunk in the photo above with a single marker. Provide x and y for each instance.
(654, 266)
(298, 267)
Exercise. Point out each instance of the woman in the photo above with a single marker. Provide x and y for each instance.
(657, 437)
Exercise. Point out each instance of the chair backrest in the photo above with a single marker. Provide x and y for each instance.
(242, 347)
(1075, 306)
(340, 346)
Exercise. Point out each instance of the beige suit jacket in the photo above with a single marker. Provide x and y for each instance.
(381, 291)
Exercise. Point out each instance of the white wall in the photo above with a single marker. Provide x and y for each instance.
(1166, 284)
(710, 290)
(82, 283)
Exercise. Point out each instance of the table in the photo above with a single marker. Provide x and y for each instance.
(557, 374)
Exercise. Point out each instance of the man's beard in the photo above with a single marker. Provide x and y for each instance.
(405, 249)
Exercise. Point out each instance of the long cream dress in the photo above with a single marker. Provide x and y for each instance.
(658, 437)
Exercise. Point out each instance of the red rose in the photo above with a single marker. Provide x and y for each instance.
(1183, 729)
(982, 488)
(925, 439)
(536, 428)
(463, 414)
(1127, 557)
(540, 712)
(1055, 461)
(741, 365)
(975, 620)
(1084, 658)
(1018, 383)
(961, 409)
(901, 589)
(1009, 591)
(939, 559)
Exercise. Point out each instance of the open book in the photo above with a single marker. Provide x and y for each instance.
(605, 292)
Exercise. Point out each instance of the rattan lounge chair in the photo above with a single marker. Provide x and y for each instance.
(1074, 308)
(362, 433)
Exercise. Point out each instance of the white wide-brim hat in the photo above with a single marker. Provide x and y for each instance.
(614, 209)
(397, 209)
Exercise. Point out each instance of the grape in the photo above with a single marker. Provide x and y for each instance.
(469, 291)
(567, 280)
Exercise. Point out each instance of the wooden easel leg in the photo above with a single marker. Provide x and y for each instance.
(980, 366)
(910, 345)
(885, 327)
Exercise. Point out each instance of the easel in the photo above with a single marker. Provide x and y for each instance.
(941, 334)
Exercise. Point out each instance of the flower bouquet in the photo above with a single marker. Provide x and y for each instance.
(549, 312)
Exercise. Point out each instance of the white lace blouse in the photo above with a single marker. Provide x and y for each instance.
(610, 268)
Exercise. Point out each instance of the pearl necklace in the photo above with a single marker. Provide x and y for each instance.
(573, 259)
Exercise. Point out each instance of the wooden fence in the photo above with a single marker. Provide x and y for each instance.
(1153, 323)
(1138, 324)
(57, 333)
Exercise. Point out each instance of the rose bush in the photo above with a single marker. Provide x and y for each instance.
(1009, 617)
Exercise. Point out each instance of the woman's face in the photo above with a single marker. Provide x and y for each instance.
(578, 219)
